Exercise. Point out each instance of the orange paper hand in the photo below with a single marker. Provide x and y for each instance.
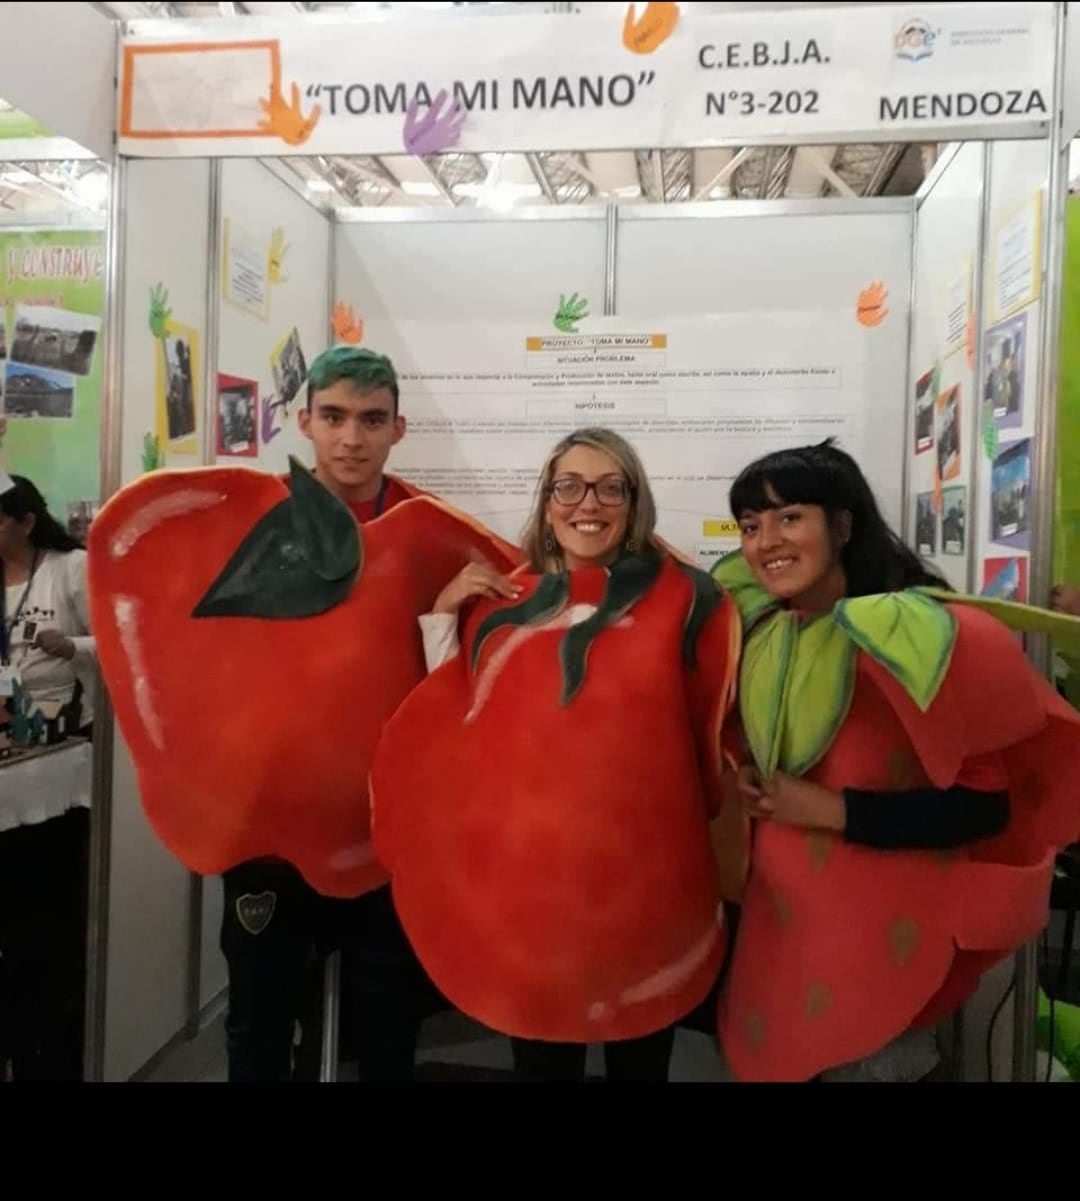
(871, 310)
(287, 120)
(346, 325)
(653, 30)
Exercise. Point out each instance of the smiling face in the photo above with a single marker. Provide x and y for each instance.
(794, 551)
(590, 529)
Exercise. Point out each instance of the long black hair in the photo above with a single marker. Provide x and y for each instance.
(874, 559)
(24, 500)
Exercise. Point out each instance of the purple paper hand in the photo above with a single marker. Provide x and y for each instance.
(436, 130)
(270, 431)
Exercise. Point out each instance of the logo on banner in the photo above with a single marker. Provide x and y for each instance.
(914, 40)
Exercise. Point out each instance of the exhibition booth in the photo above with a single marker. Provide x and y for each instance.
(922, 332)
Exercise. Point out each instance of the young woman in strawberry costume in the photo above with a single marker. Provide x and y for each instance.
(910, 778)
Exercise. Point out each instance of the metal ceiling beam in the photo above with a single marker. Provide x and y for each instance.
(540, 175)
(658, 171)
(725, 173)
(440, 187)
(883, 172)
(828, 175)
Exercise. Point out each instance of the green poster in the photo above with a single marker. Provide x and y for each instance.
(1067, 529)
(52, 300)
(14, 124)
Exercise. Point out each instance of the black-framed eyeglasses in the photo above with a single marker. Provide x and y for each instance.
(610, 491)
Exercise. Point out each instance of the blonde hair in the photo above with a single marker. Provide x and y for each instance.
(536, 539)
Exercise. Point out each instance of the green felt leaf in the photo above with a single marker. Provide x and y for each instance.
(1025, 619)
(549, 599)
(630, 578)
(301, 559)
(733, 574)
(766, 660)
(704, 602)
(908, 633)
(817, 695)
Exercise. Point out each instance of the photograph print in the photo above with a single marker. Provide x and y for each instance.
(179, 388)
(1006, 579)
(924, 413)
(238, 403)
(1010, 489)
(954, 521)
(948, 433)
(1003, 387)
(57, 339)
(35, 392)
(289, 368)
(925, 524)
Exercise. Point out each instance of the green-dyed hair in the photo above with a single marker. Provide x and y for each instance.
(364, 369)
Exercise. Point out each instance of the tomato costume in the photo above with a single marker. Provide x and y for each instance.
(842, 948)
(542, 803)
(254, 640)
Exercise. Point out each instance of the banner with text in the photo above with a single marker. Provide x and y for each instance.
(614, 77)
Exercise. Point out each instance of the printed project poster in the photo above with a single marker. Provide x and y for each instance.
(237, 414)
(245, 277)
(177, 386)
(52, 300)
(926, 532)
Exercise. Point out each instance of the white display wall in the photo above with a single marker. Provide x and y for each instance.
(166, 258)
(707, 336)
(273, 314)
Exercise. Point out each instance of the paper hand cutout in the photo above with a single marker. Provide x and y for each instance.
(151, 453)
(348, 328)
(278, 249)
(436, 130)
(871, 311)
(989, 433)
(570, 312)
(655, 27)
(288, 120)
(159, 311)
(270, 428)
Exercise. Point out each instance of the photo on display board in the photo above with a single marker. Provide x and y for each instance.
(3, 338)
(925, 524)
(1003, 386)
(954, 521)
(948, 433)
(1010, 489)
(179, 388)
(289, 367)
(238, 403)
(1006, 579)
(35, 392)
(924, 413)
(54, 338)
(80, 513)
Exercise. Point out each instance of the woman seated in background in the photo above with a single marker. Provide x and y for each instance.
(49, 661)
(910, 774)
(542, 800)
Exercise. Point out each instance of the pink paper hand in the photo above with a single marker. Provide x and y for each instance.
(436, 131)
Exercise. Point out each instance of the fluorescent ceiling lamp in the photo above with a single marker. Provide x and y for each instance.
(91, 190)
(319, 185)
(418, 188)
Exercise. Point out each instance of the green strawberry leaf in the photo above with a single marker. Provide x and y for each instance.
(909, 634)
(817, 695)
(767, 656)
(733, 574)
(1025, 619)
(549, 599)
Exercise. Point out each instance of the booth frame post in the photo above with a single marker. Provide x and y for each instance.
(1025, 1012)
(611, 250)
(979, 289)
(104, 748)
(328, 1060)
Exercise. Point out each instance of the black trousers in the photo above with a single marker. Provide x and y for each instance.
(637, 1060)
(275, 932)
(43, 908)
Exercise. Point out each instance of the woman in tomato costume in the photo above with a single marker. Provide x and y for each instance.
(910, 774)
(542, 800)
